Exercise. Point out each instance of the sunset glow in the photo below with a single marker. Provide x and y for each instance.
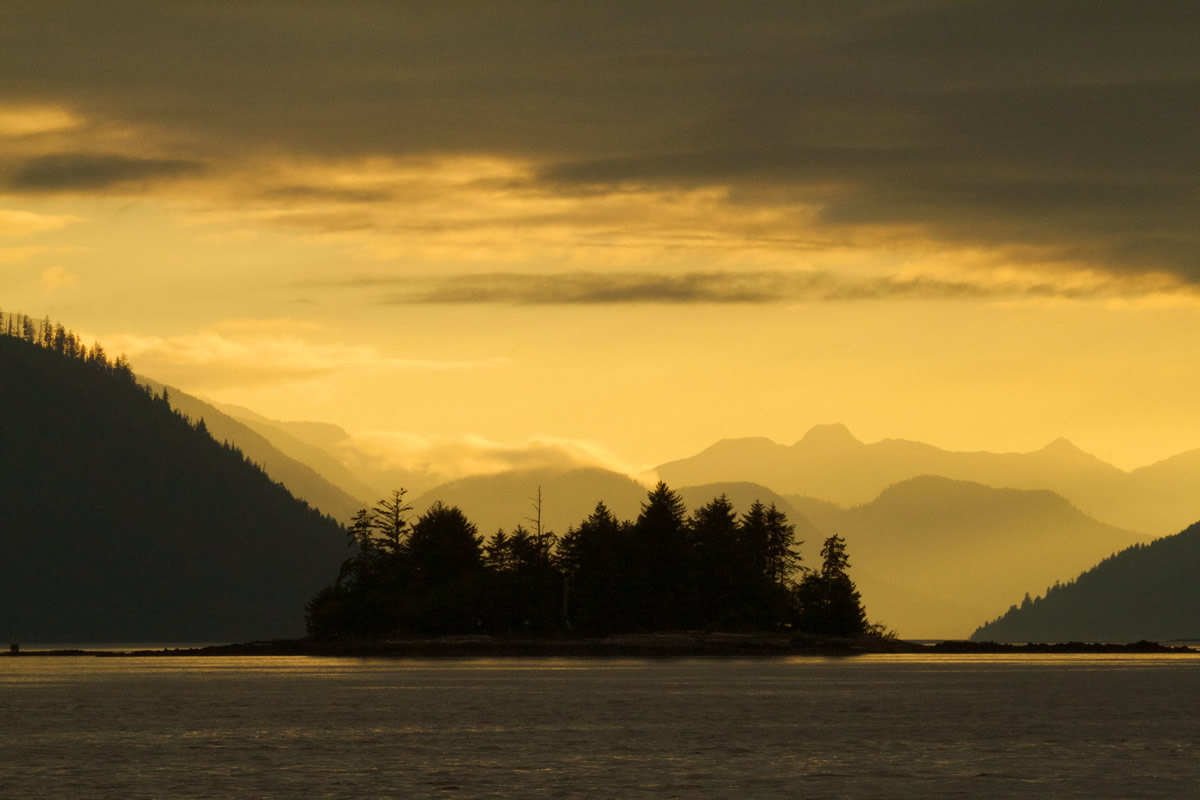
(619, 234)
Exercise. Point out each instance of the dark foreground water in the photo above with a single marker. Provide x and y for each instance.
(877, 726)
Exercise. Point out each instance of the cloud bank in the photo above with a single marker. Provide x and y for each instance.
(263, 352)
(1063, 126)
(92, 171)
(438, 459)
(592, 288)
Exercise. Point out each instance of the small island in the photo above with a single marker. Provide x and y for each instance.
(596, 588)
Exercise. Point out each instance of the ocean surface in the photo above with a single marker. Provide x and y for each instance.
(872, 726)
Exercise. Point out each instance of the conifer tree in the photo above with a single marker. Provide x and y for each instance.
(660, 570)
(827, 601)
(722, 572)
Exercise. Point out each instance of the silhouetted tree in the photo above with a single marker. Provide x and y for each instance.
(767, 539)
(524, 584)
(722, 572)
(444, 543)
(446, 557)
(596, 560)
(387, 522)
(660, 569)
(827, 601)
(498, 553)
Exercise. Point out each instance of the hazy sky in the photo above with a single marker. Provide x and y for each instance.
(621, 231)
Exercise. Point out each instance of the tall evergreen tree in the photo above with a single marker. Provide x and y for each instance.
(767, 540)
(661, 569)
(524, 584)
(827, 601)
(722, 572)
(446, 558)
(444, 544)
(595, 559)
(387, 522)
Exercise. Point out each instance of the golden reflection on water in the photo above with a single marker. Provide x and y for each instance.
(1098, 660)
(42, 670)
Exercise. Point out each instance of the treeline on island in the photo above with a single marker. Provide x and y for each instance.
(667, 570)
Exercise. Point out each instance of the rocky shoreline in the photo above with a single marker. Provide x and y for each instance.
(661, 645)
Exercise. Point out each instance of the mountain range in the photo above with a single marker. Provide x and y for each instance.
(938, 540)
(828, 463)
(934, 553)
(933, 556)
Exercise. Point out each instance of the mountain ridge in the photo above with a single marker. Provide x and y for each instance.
(122, 520)
(829, 463)
(932, 556)
(301, 478)
(1146, 591)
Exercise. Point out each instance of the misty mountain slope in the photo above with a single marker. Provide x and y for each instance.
(1147, 591)
(829, 464)
(120, 521)
(1158, 487)
(742, 495)
(784, 469)
(331, 451)
(929, 554)
(507, 499)
(297, 474)
(823, 515)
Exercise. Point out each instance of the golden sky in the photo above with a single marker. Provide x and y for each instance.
(617, 232)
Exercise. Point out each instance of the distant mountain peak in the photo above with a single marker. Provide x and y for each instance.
(1064, 448)
(756, 444)
(826, 437)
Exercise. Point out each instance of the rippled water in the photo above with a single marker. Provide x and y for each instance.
(1083, 726)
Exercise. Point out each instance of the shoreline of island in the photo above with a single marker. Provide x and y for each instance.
(650, 645)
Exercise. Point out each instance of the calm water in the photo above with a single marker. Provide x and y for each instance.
(1079, 726)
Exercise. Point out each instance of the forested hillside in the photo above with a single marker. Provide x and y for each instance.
(121, 520)
(1148, 591)
(302, 480)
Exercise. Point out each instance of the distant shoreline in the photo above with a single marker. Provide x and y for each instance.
(664, 645)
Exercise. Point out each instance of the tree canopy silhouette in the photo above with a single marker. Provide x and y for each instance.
(665, 570)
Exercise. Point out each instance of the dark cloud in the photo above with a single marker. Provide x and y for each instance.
(1065, 125)
(301, 193)
(595, 289)
(589, 288)
(92, 171)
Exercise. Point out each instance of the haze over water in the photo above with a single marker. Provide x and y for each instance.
(894, 726)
